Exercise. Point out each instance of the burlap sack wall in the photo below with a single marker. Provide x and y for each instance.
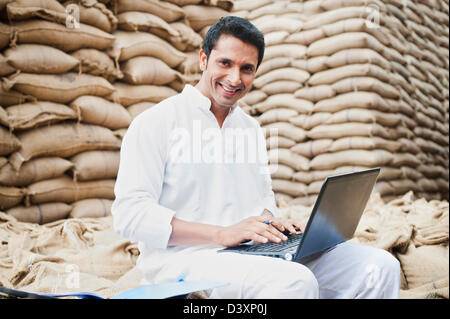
(367, 84)
(74, 75)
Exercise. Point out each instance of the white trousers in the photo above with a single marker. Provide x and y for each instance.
(347, 271)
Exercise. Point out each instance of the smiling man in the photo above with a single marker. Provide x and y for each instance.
(181, 212)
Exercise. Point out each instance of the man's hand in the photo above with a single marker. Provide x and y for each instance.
(260, 229)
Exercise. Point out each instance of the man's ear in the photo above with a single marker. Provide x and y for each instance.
(203, 60)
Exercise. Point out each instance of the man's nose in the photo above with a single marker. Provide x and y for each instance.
(234, 76)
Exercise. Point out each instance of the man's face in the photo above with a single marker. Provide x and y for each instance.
(229, 72)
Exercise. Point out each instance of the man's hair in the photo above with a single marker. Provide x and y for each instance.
(237, 27)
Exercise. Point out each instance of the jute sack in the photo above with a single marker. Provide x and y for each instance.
(34, 58)
(424, 264)
(282, 86)
(310, 149)
(319, 175)
(182, 3)
(281, 171)
(40, 214)
(285, 100)
(254, 96)
(315, 93)
(389, 173)
(61, 88)
(272, 64)
(143, 21)
(364, 100)
(366, 84)
(202, 16)
(328, 5)
(355, 25)
(98, 111)
(136, 109)
(351, 157)
(331, 16)
(357, 56)
(309, 121)
(50, 10)
(276, 115)
(285, 129)
(93, 165)
(61, 37)
(295, 51)
(305, 37)
(127, 94)
(311, 176)
(364, 116)
(384, 188)
(5, 68)
(5, 34)
(410, 173)
(273, 142)
(277, 8)
(282, 200)
(427, 185)
(97, 62)
(95, 14)
(330, 45)
(8, 142)
(249, 4)
(288, 74)
(34, 171)
(93, 207)
(191, 65)
(365, 143)
(428, 146)
(148, 70)
(404, 159)
(64, 189)
(10, 197)
(62, 140)
(4, 117)
(167, 11)
(280, 24)
(431, 171)
(188, 39)
(354, 70)
(275, 37)
(289, 187)
(307, 201)
(31, 115)
(314, 187)
(402, 186)
(311, 65)
(12, 97)
(131, 44)
(335, 131)
(289, 158)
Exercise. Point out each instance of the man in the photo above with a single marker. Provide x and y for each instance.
(183, 193)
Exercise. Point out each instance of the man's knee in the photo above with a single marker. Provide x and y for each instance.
(295, 281)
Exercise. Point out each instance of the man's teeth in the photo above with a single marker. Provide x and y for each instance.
(229, 90)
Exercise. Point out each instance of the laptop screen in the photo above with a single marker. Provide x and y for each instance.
(337, 211)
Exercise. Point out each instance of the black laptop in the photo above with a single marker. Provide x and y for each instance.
(334, 218)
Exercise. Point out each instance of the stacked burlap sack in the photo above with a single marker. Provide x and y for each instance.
(415, 231)
(74, 75)
(337, 83)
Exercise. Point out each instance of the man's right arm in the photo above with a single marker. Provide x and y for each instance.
(136, 212)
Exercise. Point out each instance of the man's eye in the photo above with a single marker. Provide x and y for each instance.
(225, 63)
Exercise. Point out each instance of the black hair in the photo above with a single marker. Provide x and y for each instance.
(237, 27)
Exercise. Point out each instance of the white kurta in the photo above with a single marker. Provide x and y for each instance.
(175, 160)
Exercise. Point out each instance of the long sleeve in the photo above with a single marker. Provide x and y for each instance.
(137, 215)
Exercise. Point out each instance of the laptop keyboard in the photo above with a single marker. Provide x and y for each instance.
(292, 241)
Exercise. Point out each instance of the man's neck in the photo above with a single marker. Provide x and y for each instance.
(220, 112)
